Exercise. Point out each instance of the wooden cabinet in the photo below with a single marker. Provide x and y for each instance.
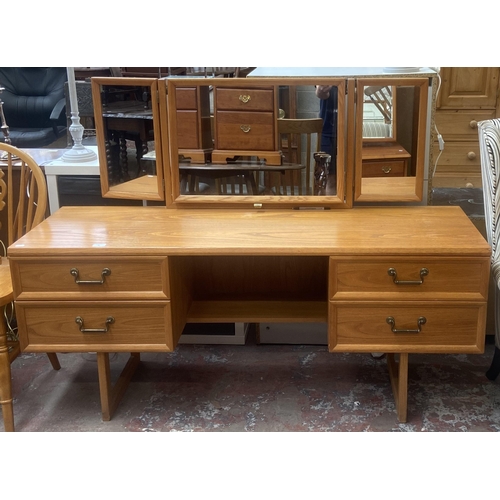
(467, 96)
(194, 137)
(78, 289)
(245, 124)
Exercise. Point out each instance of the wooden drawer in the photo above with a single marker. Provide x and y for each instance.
(43, 279)
(245, 99)
(363, 326)
(385, 168)
(186, 98)
(461, 125)
(447, 279)
(245, 131)
(138, 325)
(461, 154)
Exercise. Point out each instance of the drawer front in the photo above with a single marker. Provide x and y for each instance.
(442, 279)
(187, 130)
(462, 154)
(245, 131)
(461, 125)
(145, 278)
(390, 168)
(139, 325)
(363, 326)
(186, 98)
(245, 99)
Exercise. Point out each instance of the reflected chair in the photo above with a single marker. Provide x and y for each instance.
(382, 98)
(299, 140)
(26, 203)
(489, 147)
(34, 105)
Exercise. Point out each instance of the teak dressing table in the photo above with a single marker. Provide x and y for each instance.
(398, 279)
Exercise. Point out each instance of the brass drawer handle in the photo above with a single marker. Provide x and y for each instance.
(392, 272)
(421, 321)
(105, 272)
(245, 128)
(244, 98)
(386, 170)
(109, 320)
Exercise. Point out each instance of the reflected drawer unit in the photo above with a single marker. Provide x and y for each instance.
(246, 124)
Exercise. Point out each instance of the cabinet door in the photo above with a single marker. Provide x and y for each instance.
(468, 88)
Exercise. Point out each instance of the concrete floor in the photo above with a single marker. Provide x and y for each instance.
(257, 388)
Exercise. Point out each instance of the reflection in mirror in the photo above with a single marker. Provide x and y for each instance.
(125, 126)
(378, 112)
(391, 160)
(257, 141)
(128, 132)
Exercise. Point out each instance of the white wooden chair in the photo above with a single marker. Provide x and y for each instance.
(489, 147)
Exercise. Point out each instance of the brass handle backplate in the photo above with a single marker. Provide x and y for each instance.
(391, 321)
(245, 128)
(105, 272)
(386, 170)
(392, 272)
(244, 98)
(109, 320)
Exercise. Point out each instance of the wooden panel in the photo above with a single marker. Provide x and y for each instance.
(468, 88)
(186, 98)
(137, 325)
(129, 278)
(231, 133)
(244, 99)
(362, 326)
(187, 130)
(447, 279)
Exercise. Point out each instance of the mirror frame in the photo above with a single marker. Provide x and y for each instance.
(392, 189)
(147, 188)
(343, 199)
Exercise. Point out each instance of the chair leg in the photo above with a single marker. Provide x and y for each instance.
(54, 361)
(5, 382)
(494, 369)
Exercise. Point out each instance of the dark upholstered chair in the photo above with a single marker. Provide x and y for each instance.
(34, 105)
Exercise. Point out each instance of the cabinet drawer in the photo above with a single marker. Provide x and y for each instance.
(363, 326)
(386, 168)
(461, 125)
(145, 278)
(461, 154)
(369, 279)
(186, 98)
(245, 131)
(137, 325)
(245, 99)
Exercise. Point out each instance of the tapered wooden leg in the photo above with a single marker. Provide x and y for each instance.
(5, 382)
(112, 395)
(54, 361)
(398, 373)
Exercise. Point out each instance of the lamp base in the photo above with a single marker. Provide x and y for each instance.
(78, 154)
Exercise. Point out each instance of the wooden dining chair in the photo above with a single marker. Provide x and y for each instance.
(299, 140)
(23, 194)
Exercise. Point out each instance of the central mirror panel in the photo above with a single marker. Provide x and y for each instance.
(255, 142)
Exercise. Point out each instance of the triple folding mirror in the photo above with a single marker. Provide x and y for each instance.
(261, 142)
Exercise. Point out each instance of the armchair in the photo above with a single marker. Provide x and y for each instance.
(34, 105)
(489, 148)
